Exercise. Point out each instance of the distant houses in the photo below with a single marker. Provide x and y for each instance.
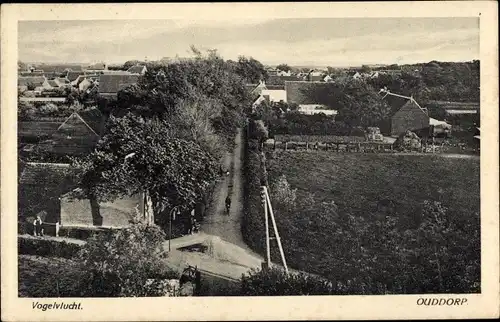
(33, 83)
(296, 94)
(138, 69)
(47, 188)
(269, 93)
(96, 68)
(111, 84)
(457, 108)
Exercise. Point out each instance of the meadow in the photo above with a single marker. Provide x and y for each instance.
(427, 241)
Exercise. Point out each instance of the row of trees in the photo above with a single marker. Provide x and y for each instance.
(166, 135)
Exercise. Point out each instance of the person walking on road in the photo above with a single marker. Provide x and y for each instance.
(228, 204)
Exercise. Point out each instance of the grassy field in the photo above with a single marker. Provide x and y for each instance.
(321, 241)
(356, 182)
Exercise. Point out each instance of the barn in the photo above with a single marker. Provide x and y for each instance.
(410, 117)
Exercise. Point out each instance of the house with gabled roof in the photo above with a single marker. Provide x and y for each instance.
(40, 186)
(37, 130)
(73, 75)
(37, 82)
(51, 189)
(111, 84)
(408, 115)
(96, 68)
(77, 135)
(296, 93)
(138, 69)
(53, 83)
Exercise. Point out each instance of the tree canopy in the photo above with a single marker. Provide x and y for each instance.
(138, 155)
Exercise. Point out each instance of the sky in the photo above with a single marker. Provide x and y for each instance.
(297, 42)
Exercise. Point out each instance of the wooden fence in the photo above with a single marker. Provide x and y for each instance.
(332, 146)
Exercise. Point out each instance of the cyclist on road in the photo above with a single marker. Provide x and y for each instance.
(228, 203)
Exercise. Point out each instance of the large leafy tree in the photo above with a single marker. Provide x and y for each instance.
(357, 103)
(167, 88)
(250, 69)
(144, 155)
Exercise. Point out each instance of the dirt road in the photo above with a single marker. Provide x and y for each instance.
(217, 222)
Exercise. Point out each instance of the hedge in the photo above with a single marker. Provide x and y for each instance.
(252, 225)
(29, 245)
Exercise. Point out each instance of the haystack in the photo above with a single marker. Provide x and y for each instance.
(408, 141)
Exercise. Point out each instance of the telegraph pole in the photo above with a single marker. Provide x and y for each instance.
(266, 216)
(276, 234)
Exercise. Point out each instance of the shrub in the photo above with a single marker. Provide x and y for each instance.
(46, 247)
(272, 282)
(120, 264)
(257, 130)
(48, 277)
(252, 225)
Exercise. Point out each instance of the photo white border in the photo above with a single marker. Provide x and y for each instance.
(484, 305)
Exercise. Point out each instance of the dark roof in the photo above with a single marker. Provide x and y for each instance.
(59, 68)
(136, 69)
(94, 119)
(295, 91)
(112, 83)
(251, 87)
(98, 66)
(53, 83)
(36, 80)
(73, 75)
(456, 105)
(397, 102)
(275, 87)
(35, 73)
(47, 174)
(63, 80)
(33, 129)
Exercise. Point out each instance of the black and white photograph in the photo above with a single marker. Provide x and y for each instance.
(247, 157)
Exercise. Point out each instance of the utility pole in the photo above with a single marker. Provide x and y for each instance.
(171, 214)
(276, 234)
(266, 216)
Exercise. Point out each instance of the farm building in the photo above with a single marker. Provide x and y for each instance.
(458, 108)
(311, 109)
(410, 117)
(36, 83)
(138, 69)
(270, 95)
(407, 115)
(59, 68)
(73, 75)
(48, 188)
(77, 135)
(31, 73)
(111, 84)
(96, 68)
(296, 92)
(36, 130)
